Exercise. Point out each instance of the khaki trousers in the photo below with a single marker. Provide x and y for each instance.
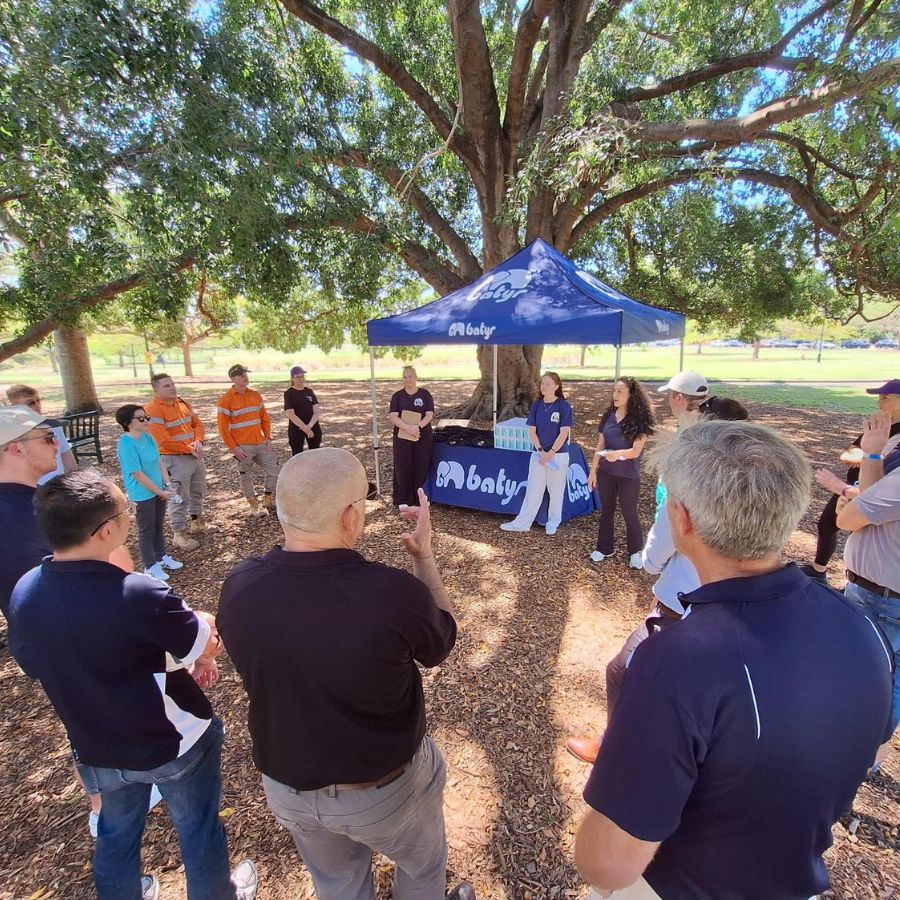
(188, 474)
(264, 457)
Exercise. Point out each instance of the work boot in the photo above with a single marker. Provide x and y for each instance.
(585, 749)
(198, 525)
(255, 508)
(268, 500)
(183, 541)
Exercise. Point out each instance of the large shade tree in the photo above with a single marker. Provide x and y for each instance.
(296, 144)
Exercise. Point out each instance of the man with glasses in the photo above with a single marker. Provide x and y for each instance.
(327, 643)
(98, 640)
(25, 395)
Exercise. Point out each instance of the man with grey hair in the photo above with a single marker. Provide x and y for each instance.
(327, 643)
(742, 733)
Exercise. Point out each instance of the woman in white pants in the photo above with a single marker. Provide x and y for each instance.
(549, 426)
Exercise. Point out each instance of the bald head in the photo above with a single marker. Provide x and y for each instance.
(316, 486)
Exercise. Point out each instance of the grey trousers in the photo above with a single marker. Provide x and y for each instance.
(188, 475)
(265, 458)
(336, 831)
(150, 515)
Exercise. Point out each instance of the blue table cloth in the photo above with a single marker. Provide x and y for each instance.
(494, 480)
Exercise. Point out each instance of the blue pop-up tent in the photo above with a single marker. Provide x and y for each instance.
(535, 297)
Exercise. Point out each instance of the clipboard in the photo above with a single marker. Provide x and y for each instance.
(411, 418)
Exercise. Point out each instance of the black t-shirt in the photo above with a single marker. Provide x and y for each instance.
(326, 644)
(741, 736)
(22, 543)
(301, 402)
(421, 402)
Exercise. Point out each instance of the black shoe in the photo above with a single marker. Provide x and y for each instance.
(811, 572)
(463, 891)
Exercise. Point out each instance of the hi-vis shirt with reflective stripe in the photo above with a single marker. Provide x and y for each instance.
(243, 418)
(174, 426)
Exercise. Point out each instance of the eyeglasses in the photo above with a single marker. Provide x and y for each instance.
(357, 501)
(33, 402)
(48, 437)
(126, 511)
(140, 418)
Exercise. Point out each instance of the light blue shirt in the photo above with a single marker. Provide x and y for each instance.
(63, 447)
(139, 455)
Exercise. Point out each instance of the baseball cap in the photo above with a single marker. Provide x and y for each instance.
(238, 369)
(689, 383)
(18, 420)
(889, 387)
(297, 370)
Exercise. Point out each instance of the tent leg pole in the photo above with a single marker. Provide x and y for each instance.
(375, 445)
(618, 361)
(681, 356)
(495, 386)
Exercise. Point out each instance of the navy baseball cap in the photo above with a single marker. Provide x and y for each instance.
(889, 387)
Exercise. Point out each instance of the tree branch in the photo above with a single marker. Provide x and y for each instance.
(740, 129)
(384, 62)
(35, 333)
(467, 262)
(772, 58)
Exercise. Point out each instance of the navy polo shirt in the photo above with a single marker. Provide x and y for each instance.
(22, 543)
(742, 734)
(97, 639)
(548, 419)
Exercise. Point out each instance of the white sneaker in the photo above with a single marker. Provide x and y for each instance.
(157, 571)
(597, 556)
(551, 527)
(169, 563)
(149, 887)
(636, 561)
(245, 880)
(514, 526)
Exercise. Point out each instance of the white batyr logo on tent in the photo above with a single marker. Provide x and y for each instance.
(662, 327)
(467, 329)
(501, 286)
(576, 483)
(451, 474)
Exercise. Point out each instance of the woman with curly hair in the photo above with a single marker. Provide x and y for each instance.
(624, 429)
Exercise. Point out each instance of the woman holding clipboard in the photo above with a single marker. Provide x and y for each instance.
(412, 409)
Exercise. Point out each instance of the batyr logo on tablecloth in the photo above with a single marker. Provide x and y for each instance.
(576, 483)
(450, 472)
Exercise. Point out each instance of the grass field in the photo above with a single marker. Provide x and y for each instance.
(776, 377)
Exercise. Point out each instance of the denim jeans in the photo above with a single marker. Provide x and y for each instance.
(192, 788)
(885, 612)
(336, 830)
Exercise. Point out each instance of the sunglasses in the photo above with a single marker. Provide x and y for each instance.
(48, 438)
(140, 418)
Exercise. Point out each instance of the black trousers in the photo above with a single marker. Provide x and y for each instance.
(296, 437)
(626, 490)
(828, 532)
(411, 460)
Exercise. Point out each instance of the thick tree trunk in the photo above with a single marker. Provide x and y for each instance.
(53, 363)
(755, 350)
(519, 371)
(186, 354)
(75, 369)
(699, 347)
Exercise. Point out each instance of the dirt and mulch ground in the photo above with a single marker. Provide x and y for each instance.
(538, 625)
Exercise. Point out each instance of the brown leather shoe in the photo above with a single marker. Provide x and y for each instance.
(584, 748)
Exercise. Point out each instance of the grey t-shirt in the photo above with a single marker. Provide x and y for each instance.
(874, 551)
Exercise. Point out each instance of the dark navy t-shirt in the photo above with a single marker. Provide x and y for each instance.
(421, 402)
(548, 419)
(615, 440)
(96, 637)
(22, 543)
(742, 734)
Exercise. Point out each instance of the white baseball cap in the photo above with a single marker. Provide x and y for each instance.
(18, 420)
(689, 383)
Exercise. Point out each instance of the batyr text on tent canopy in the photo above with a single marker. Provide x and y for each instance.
(535, 297)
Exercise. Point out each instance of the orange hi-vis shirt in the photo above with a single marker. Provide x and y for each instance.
(174, 426)
(243, 418)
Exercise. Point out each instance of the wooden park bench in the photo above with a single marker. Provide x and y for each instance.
(83, 434)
